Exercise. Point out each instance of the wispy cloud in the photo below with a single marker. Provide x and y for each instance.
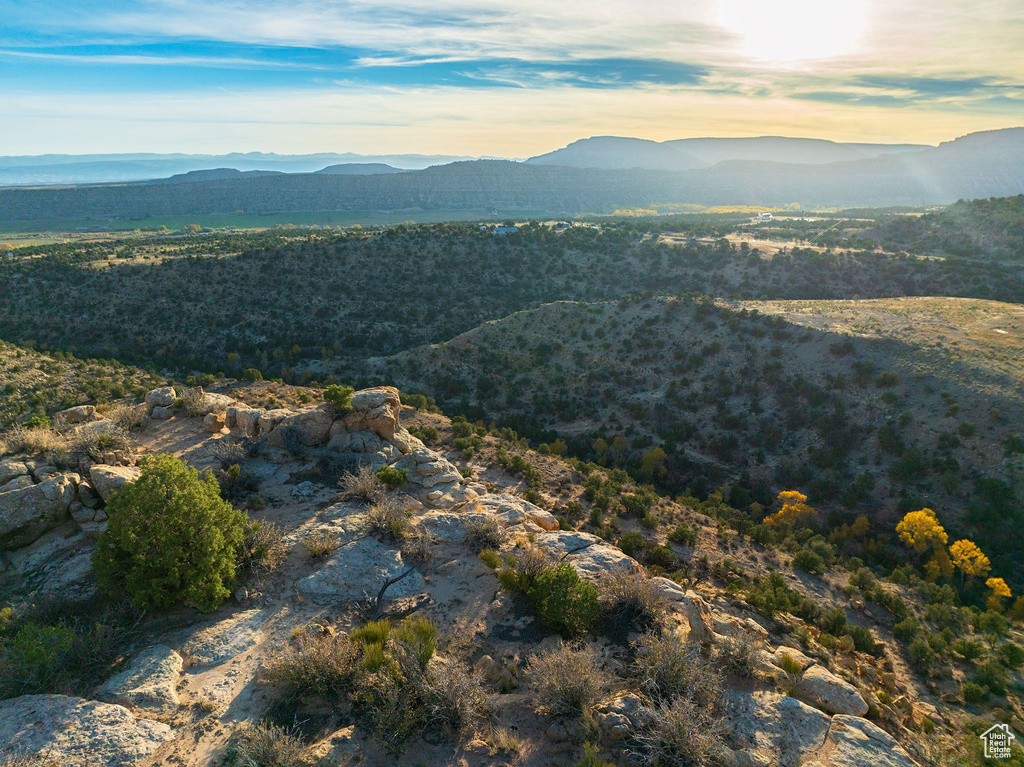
(90, 59)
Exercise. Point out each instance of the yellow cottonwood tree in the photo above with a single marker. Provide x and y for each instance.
(999, 591)
(794, 509)
(920, 530)
(969, 559)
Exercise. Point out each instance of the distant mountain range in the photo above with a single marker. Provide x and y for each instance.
(594, 175)
(690, 153)
(99, 168)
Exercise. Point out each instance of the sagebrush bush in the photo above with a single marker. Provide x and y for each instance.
(568, 680)
(453, 700)
(319, 544)
(683, 733)
(317, 664)
(170, 538)
(564, 601)
(32, 442)
(484, 533)
(738, 654)
(264, 745)
(362, 484)
(128, 417)
(630, 601)
(262, 550)
(666, 669)
(387, 519)
(192, 401)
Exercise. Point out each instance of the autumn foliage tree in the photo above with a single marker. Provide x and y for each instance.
(999, 591)
(921, 531)
(794, 510)
(969, 559)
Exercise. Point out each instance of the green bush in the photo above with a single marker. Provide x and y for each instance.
(171, 538)
(1012, 654)
(973, 693)
(906, 629)
(632, 543)
(809, 562)
(252, 374)
(921, 654)
(663, 557)
(339, 397)
(564, 601)
(969, 649)
(393, 477)
(684, 535)
(993, 676)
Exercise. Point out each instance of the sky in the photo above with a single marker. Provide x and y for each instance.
(497, 78)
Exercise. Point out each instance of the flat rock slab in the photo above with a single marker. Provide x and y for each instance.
(9, 469)
(55, 565)
(358, 570)
(591, 556)
(106, 480)
(74, 732)
(149, 683)
(824, 690)
(777, 728)
(223, 641)
(859, 743)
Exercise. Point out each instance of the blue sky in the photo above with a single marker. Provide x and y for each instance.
(495, 77)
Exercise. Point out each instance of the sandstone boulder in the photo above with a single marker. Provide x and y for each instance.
(774, 728)
(698, 615)
(108, 479)
(149, 683)
(27, 513)
(75, 732)
(512, 510)
(17, 483)
(591, 556)
(78, 414)
(161, 413)
(214, 422)
(306, 427)
(376, 409)
(245, 418)
(345, 441)
(826, 691)
(358, 570)
(9, 469)
(162, 397)
(856, 742)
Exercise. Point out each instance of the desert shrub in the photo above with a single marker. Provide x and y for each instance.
(921, 654)
(973, 693)
(262, 549)
(564, 601)
(592, 757)
(252, 374)
(683, 535)
(1011, 654)
(522, 567)
(968, 649)
(319, 544)
(316, 665)
(33, 442)
(94, 443)
(171, 538)
(632, 543)
(906, 629)
(363, 484)
(427, 434)
(568, 680)
(392, 477)
(862, 578)
(237, 483)
(666, 669)
(791, 666)
(127, 417)
(862, 639)
(484, 533)
(683, 733)
(264, 745)
(451, 699)
(62, 648)
(192, 401)
(419, 635)
(992, 675)
(417, 544)
(387, 519)
(339, 397)
(491, 558)
(629, 601)
(661, 556)
(738, 654)
(809, 561)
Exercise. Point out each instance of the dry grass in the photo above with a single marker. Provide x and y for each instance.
(363, 484)
(630, 600)
(484, 533)
(387, 519)
(263, 550)
(265, 745)
(193, 401)
(31, 442)
(319, 544)
(568, 680)
(127, 416)
(666, 670)
(316, 665)
(683, 733)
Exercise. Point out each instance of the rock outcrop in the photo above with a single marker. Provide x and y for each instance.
(75, 732)
(28, 512)
(106, 480)
(824, 690)
(149, 683)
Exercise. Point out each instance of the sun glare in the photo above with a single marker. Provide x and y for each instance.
(795, 30)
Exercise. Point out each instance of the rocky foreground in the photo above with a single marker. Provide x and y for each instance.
(194, 679)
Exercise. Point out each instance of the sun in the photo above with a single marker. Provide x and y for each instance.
(791, 31)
